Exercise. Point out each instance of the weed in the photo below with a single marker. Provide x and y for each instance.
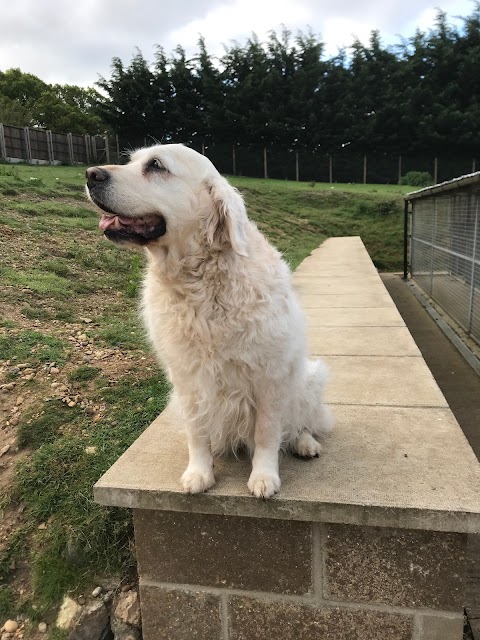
(45, 427)
(7, 602)
(35, 313)
(83, 373)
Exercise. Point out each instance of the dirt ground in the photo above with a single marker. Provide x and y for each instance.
(460, 385)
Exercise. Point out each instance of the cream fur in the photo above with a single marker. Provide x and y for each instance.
(223, 319)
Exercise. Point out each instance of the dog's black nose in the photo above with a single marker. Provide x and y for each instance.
(96, 174)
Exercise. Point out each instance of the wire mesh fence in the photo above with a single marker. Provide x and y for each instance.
(445, 252)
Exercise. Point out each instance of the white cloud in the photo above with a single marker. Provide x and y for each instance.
(237, 21)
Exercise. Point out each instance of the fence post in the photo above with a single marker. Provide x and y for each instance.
(474, 165)
(474, 253)
(203, 148)
(3, 146)
(107, 149)
(365, 169)
(87, 150)
(265, 163)
(48, 134)
(330, 168)
(435, 171)
(93, 145)
(118, 148)
(70, 148)
(234, 161)
(28, 148)
(399, 169)
(297, 167)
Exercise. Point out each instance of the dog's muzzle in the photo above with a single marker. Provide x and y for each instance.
(122, 227)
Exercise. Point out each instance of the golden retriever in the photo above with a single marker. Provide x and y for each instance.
(220, 311)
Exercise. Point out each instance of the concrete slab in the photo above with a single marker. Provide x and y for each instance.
(311, 268)
(361, 341)
(340, 286)
(381, 466)
(352, 300)
(376, 380)
(354, 317)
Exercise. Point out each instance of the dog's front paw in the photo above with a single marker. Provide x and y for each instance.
(263, 485)
(197, 481)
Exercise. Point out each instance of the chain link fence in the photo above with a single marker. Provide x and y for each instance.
(445, 248)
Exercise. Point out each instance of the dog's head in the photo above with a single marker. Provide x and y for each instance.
(164, 195)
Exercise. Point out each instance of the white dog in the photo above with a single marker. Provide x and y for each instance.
(220, 311)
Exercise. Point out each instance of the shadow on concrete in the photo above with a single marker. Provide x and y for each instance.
(460, 385)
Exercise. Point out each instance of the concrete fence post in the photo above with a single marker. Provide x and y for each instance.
(330, 168)
(93, 144)
(297, 167)
(87, 150)
(118, 147)
(474, 164)
(70, 148)
(3, 146)
(365, 169)
(435, 171)
(265, 163)
(51, 156)
(399, 169)
(28, 147)
(234, 161)
(107, 149)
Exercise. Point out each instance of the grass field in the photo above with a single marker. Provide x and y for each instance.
(81, 383)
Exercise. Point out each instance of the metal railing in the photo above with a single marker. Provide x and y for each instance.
(445, 253)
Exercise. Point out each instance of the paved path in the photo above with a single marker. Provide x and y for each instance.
(461, 387)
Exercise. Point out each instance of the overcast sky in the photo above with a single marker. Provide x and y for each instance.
(73, 41)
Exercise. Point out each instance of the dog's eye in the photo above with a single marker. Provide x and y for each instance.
(155, 165)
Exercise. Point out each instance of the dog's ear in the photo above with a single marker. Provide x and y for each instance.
(227, 220)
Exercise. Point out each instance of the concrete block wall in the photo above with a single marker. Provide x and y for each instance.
(232, 578)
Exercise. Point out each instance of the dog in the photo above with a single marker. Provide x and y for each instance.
(220, 312)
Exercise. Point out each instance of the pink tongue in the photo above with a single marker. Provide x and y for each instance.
(106, 221)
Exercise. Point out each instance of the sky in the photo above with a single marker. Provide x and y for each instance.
(74, 41)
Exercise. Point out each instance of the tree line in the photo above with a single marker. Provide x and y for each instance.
(27, 101)
(421, 95)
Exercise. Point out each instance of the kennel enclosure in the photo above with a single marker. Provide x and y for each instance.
(445, 247)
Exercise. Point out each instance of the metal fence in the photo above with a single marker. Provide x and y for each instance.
(445, 248)
(42, 146)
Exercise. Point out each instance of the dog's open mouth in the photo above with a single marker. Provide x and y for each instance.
(139, 230)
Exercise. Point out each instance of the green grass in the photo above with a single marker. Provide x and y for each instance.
(55, 484)
(32, 347)
(83, 374)
(297, 217)
(37, 429)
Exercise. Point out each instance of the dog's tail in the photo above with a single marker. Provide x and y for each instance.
(312, 414)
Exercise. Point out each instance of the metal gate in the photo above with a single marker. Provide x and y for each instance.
(445, 248)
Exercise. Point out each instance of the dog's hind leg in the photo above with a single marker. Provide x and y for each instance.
(305, 446)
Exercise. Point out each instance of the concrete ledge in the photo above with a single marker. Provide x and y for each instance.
(396, 458)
